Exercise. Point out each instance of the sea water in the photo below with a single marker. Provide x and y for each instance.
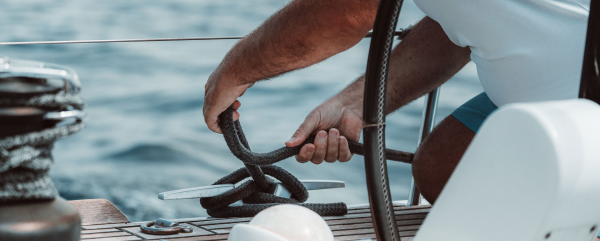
(146, 133)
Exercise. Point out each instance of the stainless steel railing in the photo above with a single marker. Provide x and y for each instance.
(428, 120)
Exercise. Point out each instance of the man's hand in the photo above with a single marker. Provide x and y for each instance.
(219, 94)
(341, 121)
(304, 32)
(424, 60)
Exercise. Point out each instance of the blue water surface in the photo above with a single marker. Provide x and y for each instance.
(146, 132)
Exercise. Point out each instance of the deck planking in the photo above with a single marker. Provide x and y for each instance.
(102, 221)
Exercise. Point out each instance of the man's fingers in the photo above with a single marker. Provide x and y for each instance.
(308, 126)
(218, 96)
(212, 120)
(332, 145)
(344, 153)
(320, 148)
(237, 104)
(213, 124)
(306, 153)
(236, 115)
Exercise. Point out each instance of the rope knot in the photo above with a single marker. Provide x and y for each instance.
(257, 192)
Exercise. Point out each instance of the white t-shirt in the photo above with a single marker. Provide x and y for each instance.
(525, 50)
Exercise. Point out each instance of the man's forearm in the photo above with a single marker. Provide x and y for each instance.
(301, 34)
(424, 60)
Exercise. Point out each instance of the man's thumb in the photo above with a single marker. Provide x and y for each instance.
(302, 133)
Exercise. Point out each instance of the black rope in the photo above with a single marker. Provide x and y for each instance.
(232, 137)
(256, 192)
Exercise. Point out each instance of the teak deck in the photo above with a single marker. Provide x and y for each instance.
(102, 221)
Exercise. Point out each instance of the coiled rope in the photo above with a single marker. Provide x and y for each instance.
(26, 159)
(255, 193)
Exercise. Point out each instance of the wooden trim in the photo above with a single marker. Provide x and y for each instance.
(98, 211)
(103, 223)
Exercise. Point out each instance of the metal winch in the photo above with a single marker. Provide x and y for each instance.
(39, 103)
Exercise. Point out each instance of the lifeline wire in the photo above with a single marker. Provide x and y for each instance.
(117, 40)
(400, 33)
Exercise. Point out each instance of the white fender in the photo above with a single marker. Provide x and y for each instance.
(284, 222)
(532, 173)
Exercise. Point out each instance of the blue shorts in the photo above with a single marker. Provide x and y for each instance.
(475, 111)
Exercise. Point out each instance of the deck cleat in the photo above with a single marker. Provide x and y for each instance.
(215, 190)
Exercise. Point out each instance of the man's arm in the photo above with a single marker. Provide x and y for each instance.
(424, 60)
(302, 33)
